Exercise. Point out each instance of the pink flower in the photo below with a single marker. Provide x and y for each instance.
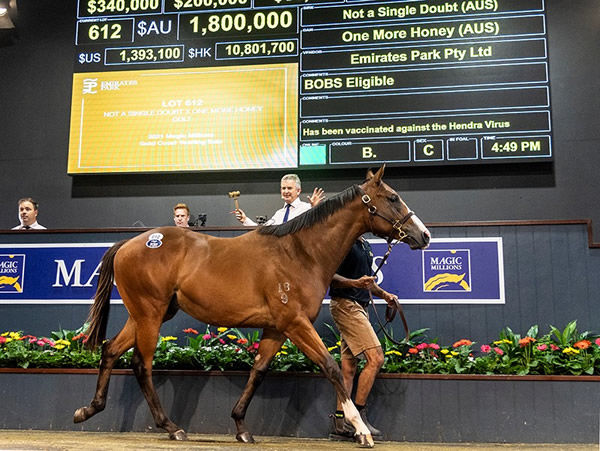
(498, 351)
(597, 341)
(33, 340)
(206, 336)
(40, 343)
(542, 347)
(2, 340)
(222, 341)
(554, 347)
(422, 346)
(486, 348)
(434, 346)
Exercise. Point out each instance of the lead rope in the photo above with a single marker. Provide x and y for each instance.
(390, 312)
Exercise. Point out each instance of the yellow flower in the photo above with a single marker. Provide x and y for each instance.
(14, 335)
(331, 348)
(231, 337)
(5, 334)
(62, 343)
(8, 340)
(59, 347)
(444, 351)
(499, 342)
(169, 338)
(393, 352)
(454, 353)
(283, 352)
(449, 356)
(221, 329)
(339, 343)
(570, 351)
(284, 347)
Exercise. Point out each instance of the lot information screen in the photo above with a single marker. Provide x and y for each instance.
(192, 85)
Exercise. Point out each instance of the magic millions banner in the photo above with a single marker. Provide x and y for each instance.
(449, 271)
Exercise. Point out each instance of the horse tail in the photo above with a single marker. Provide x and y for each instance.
(98, 316)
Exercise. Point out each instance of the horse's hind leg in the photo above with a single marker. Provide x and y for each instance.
(111, 351)
(146, 338)
(270, 343)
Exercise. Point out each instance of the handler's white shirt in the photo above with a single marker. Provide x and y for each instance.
(296, 209)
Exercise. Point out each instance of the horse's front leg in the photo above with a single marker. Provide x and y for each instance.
(270, 343)
(304, 335)
(111, 351)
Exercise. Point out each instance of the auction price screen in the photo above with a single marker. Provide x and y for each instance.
(193, 85)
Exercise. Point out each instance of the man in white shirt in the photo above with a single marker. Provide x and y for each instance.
(28, 211)
(290, 192)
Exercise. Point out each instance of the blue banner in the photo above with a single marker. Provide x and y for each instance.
(456, 271)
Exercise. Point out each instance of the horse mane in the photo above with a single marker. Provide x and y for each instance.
(314, 215)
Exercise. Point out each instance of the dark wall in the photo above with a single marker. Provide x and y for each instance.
(35, 95)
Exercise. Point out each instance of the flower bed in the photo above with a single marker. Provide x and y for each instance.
(558, 352)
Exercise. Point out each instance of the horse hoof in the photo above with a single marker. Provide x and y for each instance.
(245, 437)
(179, 435)
(79, 415)
(364, 440)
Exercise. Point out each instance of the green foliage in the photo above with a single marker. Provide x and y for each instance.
(557, 352)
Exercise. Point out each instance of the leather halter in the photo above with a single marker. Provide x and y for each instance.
(396, 225)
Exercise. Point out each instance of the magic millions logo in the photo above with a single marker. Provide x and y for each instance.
(447, 270)
(12, 268)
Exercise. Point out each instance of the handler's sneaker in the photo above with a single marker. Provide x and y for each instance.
(375, 433)
(341, 429)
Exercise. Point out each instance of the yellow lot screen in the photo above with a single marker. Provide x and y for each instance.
(235, 117)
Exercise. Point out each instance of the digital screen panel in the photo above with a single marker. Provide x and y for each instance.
(194, 85)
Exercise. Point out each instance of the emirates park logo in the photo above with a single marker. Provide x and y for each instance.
(447, 270)
(12, 268)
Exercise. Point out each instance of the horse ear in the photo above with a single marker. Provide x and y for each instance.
(379, 174)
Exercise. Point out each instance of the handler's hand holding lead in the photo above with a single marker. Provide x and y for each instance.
(317, 196)
(391, 299)
(365, 282)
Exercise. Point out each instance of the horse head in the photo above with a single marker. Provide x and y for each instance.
(389, 216)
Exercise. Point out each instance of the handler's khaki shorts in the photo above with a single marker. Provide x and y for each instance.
(352, 320)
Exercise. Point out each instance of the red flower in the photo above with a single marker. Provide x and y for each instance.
(486, 348)
(31, 337)
(2, 340)
(554, 347)
(463, 342)
(413, 351)
(526, 341)
(498, 351)
(422, 346)
(189, 330)
(79, 337)
(582, 344)
(242, 341)
(542, 347)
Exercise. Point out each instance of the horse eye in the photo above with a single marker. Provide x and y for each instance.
(394, 198)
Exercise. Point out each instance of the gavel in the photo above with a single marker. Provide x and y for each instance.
(234, 195)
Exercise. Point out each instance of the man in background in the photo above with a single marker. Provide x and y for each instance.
(181, 215)
(293, 206)
(28, 212)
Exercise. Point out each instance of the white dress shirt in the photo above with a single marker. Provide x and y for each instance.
(296, 209)
(35, 225)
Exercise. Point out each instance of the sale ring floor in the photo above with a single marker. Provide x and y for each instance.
(75, 440)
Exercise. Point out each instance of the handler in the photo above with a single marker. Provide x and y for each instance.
(349, 291)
